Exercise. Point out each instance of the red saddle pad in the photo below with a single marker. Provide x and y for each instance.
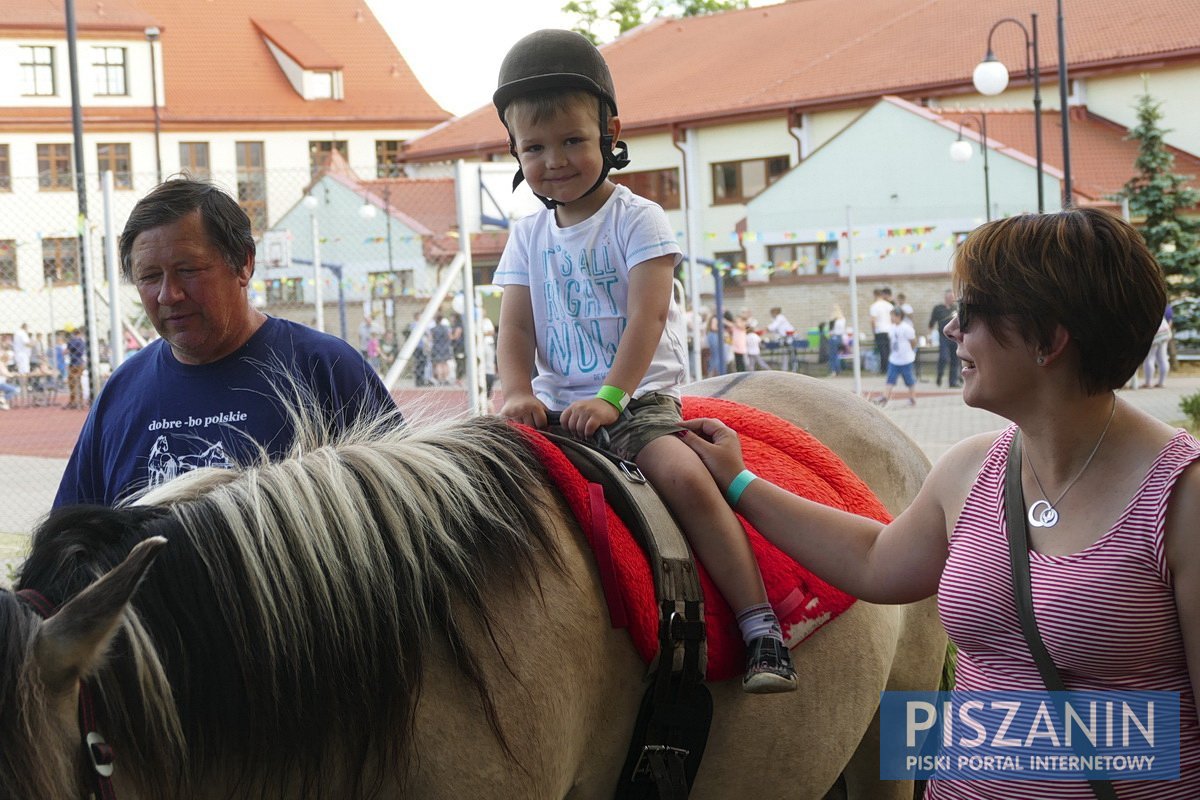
(775, 450)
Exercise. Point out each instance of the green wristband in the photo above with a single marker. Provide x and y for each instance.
(616, 396)
(738, 485)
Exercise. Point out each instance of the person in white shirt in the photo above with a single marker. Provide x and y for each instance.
(779, 326)
(901, 357)
(881, 324)
(22, 351)
(754, 359)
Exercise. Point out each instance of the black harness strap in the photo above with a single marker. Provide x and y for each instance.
(671, 731)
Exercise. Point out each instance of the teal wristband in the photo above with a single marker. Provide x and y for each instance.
(613, 395)
(738, 485)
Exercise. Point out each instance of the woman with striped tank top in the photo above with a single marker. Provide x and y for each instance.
(1058, 311)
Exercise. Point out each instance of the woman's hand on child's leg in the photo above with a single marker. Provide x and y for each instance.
(584, 417)
(526, 409)
(718, 447)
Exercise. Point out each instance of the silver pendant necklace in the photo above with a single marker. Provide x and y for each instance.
(1043, 513)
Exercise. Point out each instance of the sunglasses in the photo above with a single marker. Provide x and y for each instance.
(964, 312)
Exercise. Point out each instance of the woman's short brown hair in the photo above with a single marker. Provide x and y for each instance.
(1082, 268)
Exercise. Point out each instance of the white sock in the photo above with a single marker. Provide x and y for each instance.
(757, 621)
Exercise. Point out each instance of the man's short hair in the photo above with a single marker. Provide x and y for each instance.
(224, 221)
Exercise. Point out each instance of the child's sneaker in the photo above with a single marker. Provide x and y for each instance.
(768, 667)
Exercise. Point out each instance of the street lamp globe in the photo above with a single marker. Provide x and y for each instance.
(990, 76)
(310, 202)
(960, 151)
(367, 211)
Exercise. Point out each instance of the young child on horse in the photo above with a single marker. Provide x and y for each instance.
(588, 299)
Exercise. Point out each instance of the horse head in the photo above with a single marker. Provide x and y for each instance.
(50, 652)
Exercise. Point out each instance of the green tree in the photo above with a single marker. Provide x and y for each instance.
(1160, 197)
(628, 14)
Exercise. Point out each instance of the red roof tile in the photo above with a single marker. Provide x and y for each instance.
(812, 54)
(49, 15)
(219, 72)
(296, 43)
(1102, 159)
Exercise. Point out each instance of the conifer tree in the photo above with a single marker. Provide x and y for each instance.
(1160, 197)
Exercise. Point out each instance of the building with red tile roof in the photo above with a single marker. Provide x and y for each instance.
(252, 96)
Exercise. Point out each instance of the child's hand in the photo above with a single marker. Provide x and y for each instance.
(526, 409)
(584, 417)
(718, 447)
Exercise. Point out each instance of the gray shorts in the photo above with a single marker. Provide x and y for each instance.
(643, 420)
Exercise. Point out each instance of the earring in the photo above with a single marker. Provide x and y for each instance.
(1041, 361)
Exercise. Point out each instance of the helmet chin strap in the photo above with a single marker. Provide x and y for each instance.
(614, 154)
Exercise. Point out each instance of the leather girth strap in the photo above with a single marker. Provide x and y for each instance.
(672, 726)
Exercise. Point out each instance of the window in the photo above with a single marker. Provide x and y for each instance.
(252, 183)
(193, 160)
(5, 170)
(108, 65)
(387, 158)
(285, 290)
(8, 264)
(659, 185)
(738, 181)
(319, 152)
(37, 71)
(54, 167)
(389, 284)
(115, 159)
(320, 86)
(810, 258)
(60, 261)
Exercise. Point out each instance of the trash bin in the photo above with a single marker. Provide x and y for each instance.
(814, 339)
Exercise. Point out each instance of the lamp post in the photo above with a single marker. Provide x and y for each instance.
(960, 150)
(991, 78)
(152, 34)
(311, 203)
(367, 211)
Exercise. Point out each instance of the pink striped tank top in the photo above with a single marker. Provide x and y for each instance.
(1107, 615)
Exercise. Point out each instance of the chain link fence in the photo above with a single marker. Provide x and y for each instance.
(370, 260)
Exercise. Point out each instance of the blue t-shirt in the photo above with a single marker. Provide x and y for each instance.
(157, 418)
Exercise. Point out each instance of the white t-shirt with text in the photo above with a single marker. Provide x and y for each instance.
(578, 279)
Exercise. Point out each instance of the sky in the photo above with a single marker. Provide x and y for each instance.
(455, 46)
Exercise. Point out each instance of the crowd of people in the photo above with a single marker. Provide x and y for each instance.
(36, 367)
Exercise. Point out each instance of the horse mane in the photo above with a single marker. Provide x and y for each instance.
(279, 637)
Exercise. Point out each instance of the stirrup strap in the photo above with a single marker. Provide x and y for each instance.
(1018, 551)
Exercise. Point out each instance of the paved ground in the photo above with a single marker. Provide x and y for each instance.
(35, 442)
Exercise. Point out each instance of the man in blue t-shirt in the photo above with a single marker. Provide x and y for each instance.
(211, 391)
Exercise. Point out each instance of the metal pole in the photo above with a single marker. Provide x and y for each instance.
(318, 301)
(987, 187)
(1037, 114)
(476, 393)
(1063, 109)
(152, 36)
(856, 349)
(81, 191)
(691, 184)
(116, 336)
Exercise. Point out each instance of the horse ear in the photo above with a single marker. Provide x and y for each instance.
(72, 641)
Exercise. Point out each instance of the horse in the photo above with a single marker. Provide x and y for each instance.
(410, 612)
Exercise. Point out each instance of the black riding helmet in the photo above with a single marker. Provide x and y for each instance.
(556, 59)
